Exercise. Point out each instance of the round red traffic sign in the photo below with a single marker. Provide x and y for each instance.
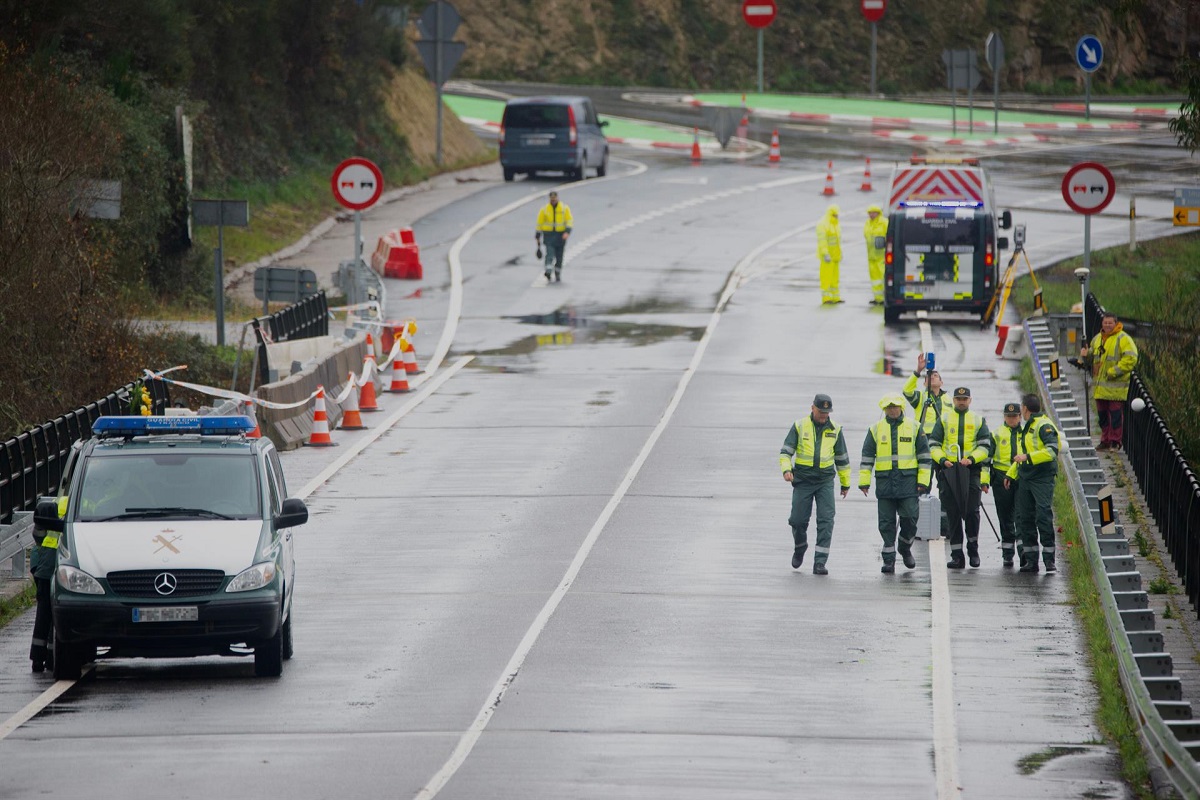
(1088, 187)
(759, 13)
(873, 9)
(357, 183)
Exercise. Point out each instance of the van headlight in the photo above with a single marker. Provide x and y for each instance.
(256, 577)
(78, 581)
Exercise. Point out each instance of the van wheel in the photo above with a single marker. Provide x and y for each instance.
(287, 637)
(268, 656)
(68, 660)
(891, 315)
(602, 170)
(508, 175)
(577, 174)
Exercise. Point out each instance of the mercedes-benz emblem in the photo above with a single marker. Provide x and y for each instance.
(165, 583)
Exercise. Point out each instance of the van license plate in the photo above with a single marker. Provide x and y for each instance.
(166, 614)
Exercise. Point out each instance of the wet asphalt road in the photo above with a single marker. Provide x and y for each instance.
(565, 573)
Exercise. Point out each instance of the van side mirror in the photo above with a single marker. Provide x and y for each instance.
(1002, 242)
(1006, 220)
(603, 123)
(880, 242)
(293, 513)
(45, 515)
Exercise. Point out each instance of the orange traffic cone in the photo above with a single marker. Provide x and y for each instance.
(351, 418)
(399, 374)
(366, 397)
(773, 155)
(256, 433)
(695, 145)
(320, 429)
(410, 358)
(866, 184)
(828, 190)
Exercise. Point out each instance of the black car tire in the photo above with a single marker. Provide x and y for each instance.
(268, 656)
(68, 660)
(602, 170)
(508, 175)
(287, 637)
(891, 315)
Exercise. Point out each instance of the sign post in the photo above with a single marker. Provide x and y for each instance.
(759, 14)
(872, 11)
(357, 184)
(1089, 55)
(437, 25)
(994, 53)
(1088, 188)
(221, 213)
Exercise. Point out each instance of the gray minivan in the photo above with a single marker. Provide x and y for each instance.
(552, 134)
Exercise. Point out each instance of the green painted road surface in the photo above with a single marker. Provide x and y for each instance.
(473, 108)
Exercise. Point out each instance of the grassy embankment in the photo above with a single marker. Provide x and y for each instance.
(1157, 283)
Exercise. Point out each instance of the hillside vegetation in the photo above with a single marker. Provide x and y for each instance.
(817, 45)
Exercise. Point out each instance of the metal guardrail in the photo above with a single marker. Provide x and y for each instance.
(1168, 734)
(15, 539)
(303, 320)
(31, 463)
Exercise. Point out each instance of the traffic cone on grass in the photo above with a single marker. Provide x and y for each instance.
(320, 429)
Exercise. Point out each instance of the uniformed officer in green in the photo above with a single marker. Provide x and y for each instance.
(930, 402)
(1004, 447)
(43, 559)
(1033, 471)
(898, 452)
(959, 444)
(812, 452)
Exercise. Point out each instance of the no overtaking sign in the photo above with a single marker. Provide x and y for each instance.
(357, 183)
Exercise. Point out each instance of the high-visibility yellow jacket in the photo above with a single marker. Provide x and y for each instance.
(829, 238)
(1004, 447)
(898, 452)
(1113, 359)
(555, 219)
(812, 452)
(1041, 440)
(958, 435)
(875, 227)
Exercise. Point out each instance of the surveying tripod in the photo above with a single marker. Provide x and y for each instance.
(995, 309)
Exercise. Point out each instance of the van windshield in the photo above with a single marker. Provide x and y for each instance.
(169, 486)
(534, 117)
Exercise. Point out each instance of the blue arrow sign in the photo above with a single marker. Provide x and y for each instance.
(1089, 53)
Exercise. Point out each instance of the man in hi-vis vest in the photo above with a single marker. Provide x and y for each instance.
(896, 450)
(812, 452)
(554, 223)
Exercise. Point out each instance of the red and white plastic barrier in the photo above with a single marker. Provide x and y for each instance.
(398, 256)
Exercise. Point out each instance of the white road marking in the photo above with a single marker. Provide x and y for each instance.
(945, 726)
(40, 702)
(470, 737)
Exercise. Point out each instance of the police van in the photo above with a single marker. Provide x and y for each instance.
(175, 540)
(942, 249)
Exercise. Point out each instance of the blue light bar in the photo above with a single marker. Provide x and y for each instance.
(144, 426)
(941, 204)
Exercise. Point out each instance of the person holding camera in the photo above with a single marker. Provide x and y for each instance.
(554, 224)
(959, 444)
(1111, 358)
(812, 452)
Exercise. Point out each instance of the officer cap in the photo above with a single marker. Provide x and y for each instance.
(822, 403)
(962, 391)
(891, 400)
(1012, 408)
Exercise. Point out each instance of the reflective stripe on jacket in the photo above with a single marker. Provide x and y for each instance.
(1113, 360)
(898, 452)
(1041, 440)
(1004, 447)
(555, 219)
(814, 452)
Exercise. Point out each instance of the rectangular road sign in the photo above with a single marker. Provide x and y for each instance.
(1187, 207)
(221, 212)
(284, 284)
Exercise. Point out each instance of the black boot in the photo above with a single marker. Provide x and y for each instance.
(1030, 566)
(819, 569)
(909, 561)
(956, 562)
(973, 559)
(798, 556)
(1050, 567)
(888, 568)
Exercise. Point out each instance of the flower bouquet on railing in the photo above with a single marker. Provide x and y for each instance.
(139, 400)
